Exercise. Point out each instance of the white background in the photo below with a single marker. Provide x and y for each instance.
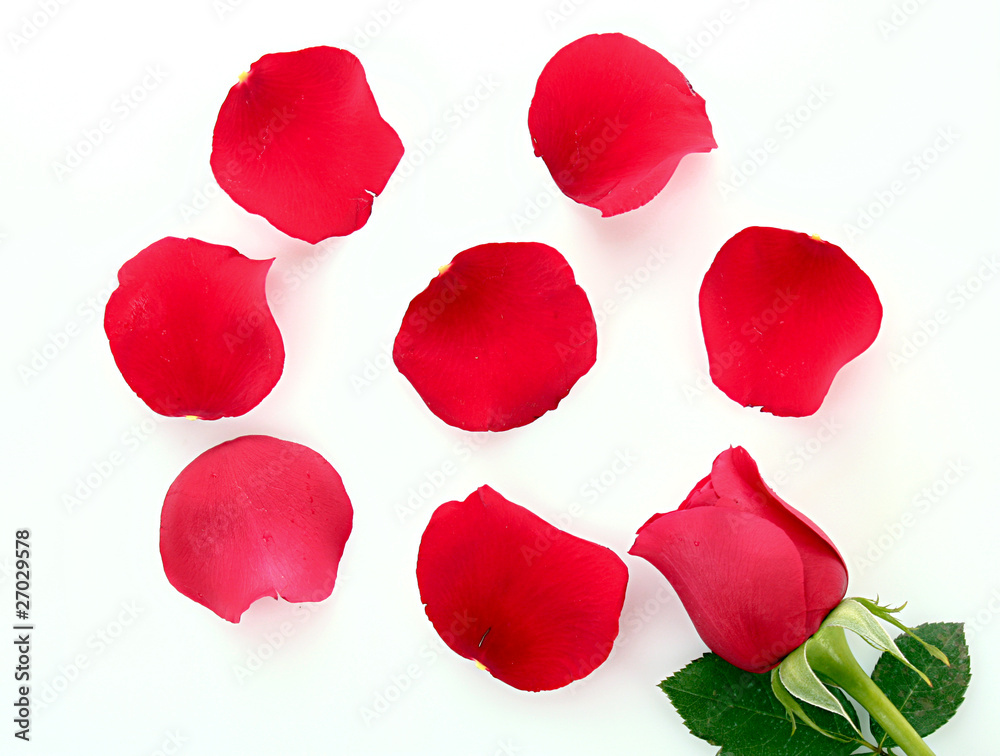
(132, 667)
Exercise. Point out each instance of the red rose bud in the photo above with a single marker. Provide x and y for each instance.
(612, 118)
(756, 576)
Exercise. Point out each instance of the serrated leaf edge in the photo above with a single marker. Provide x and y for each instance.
(961, 695)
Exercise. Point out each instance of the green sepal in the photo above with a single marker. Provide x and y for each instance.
(886, 612)
(799, 679)
(852, 615)
(794, 709)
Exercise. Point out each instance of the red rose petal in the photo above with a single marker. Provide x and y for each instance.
(782, 312)
(299, 140)
(498, 338)
(254, 517)
(191, 332)
(612, 118)
(537, 607)
(739, 577)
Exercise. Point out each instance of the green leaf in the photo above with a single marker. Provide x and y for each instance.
(738, 711)
(926, 708)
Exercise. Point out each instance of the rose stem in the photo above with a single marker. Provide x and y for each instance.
(829, 653)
